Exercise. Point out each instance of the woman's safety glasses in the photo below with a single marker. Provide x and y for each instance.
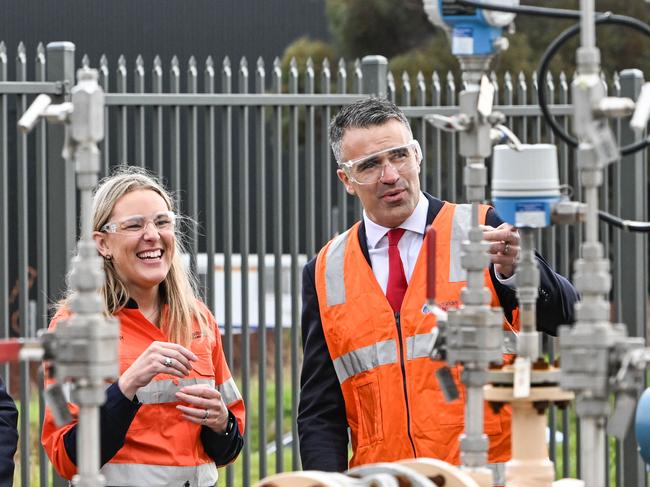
(135, 225)
(370, 169)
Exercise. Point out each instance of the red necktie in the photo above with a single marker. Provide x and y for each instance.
(396, 288)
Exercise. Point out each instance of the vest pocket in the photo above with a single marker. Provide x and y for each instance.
(368, 402)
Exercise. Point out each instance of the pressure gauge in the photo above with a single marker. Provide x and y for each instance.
(474, 31)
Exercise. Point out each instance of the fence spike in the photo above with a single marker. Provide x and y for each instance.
(260, 63)
(226, 63)
(85, 61)
(139, 64)
(40, 49)
(310, 63)
(103, 61)
(326, 76)
(435, 77)
(549, 78)
(450, 78)
(191, 63)
(209, 75)
(390, 86)
(293, 64)
(21, 56)
(175, 63)
(342, 64)
(157, 65)
(277, 75)
(3, 48)
(243, 67)
(420, 77)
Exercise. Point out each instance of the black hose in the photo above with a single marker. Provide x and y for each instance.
(601, 18)
(629, 225)
(552, 49)
(523, 9)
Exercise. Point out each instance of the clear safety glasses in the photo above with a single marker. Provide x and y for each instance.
(370, 169)
(135, 225)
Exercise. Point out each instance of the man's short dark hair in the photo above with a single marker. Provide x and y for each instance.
(367, 112)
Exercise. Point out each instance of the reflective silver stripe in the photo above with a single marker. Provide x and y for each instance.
(366, 358)
(459, 230)
(509, 341)
(334, 272)
(136, 475)
(498, 473)
(419, 346)
(229, 392)
(162, 391)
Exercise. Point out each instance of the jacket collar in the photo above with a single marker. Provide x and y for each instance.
(434, 208)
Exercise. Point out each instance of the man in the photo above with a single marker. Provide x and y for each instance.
(8, 436)
(365, 366)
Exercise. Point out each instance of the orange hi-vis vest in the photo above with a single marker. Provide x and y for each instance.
(160, 448)
(394, 405)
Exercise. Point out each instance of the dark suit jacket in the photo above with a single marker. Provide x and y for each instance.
(8, 436)
(322, 425)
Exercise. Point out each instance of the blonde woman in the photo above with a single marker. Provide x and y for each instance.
(175, 413)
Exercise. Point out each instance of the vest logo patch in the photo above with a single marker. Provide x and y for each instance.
(196, 335)
(448, 304)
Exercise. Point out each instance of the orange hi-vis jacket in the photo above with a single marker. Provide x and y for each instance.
(160, 448)
(394, 405)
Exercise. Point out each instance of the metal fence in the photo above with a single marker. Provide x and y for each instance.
(246, 149)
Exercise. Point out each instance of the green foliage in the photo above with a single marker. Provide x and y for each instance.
(303, 49)
(385, 27)
(620, 46)
(433, 55)
(400, 30)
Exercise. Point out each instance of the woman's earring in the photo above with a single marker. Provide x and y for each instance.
(108, 257)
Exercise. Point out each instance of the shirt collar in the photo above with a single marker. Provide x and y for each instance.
(416, 222)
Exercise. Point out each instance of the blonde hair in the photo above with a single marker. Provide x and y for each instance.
(179, 288)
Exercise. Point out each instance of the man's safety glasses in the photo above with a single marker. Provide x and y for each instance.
(135, 225)
(370, 169)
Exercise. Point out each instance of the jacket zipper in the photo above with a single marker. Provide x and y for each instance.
(403, 367)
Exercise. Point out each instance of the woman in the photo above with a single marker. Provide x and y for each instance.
(175, 412)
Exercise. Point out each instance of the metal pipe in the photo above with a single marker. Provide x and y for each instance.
(88, 446)
(592, 450)
(474, 423)
(591, 223)
(587, 23)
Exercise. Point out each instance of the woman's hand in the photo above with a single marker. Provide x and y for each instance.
(208, 409)
(158, 358)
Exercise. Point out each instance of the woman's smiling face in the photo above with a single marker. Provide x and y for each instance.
(143, 258)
